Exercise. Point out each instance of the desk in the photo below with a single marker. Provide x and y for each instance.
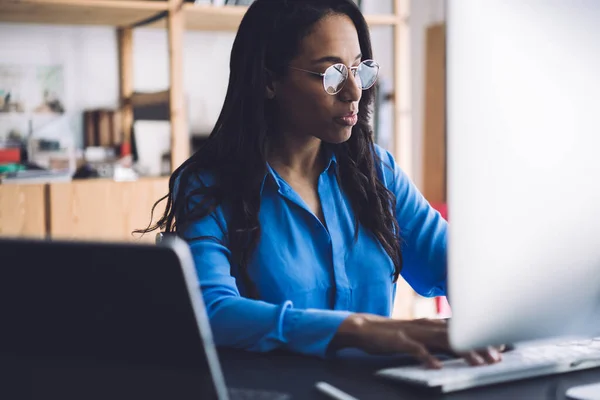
(282, 372)
(297, 375)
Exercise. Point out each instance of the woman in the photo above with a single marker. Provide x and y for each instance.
(298, 223)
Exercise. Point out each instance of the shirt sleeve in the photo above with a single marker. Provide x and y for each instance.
(423, 230)
(249, 324)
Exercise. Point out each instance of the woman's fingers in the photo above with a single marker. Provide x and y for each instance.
(491, 355)
(418, 338)
(419, 351)
(434, 335)
(486, 356)
(473, 358)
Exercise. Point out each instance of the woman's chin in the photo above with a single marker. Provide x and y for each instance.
(338, 136)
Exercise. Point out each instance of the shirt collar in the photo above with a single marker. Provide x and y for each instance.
(331, 157)
(272, 175)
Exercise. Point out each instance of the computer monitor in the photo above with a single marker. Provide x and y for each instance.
(523, 109)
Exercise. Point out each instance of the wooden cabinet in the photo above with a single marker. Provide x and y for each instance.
(103, 209)
(81, 210)
(23, 211)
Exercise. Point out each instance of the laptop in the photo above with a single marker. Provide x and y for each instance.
(116, 310)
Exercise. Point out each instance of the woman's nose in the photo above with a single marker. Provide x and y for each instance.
(352, 90)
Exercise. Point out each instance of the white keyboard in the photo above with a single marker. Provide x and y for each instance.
(521, 363)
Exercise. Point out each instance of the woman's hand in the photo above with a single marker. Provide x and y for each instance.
(379, 335)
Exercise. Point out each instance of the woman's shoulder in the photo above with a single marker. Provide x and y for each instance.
(190, 179)
(196, 192)
(191, 186)
(384, 156)
(386, 166)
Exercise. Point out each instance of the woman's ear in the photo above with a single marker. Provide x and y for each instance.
(270, 85)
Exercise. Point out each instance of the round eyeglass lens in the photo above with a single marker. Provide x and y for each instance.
(334, 78)
(367, 72)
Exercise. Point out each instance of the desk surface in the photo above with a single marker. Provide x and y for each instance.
(281, 372)
(297, 375)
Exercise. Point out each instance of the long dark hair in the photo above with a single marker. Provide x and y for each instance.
(268, 38)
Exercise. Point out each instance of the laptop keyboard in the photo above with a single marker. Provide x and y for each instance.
(523, 362)
(248, 394)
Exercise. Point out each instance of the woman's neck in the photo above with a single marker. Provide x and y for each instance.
(297, 156)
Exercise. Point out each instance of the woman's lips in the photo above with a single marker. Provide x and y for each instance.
(347, 120)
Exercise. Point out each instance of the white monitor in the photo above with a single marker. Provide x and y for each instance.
(523, 103)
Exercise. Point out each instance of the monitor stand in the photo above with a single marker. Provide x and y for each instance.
(584, 392)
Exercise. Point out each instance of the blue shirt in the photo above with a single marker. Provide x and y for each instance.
(311, 276)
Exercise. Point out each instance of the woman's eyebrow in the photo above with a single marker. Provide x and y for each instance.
(333, 59)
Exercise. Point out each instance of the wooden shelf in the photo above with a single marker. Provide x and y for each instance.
(381, 20)
(124, 13)
(211, 18)
(228, 18)
(120, 13)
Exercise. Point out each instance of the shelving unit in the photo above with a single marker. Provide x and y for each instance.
(176, 16)
(127, 13)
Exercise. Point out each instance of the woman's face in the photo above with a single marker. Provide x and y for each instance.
(304, 108)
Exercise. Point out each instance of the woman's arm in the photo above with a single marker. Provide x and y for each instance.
(422, 229)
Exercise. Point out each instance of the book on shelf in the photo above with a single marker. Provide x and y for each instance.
(105, 120)
(102, 128)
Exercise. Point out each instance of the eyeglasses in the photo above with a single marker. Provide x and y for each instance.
(336, 75)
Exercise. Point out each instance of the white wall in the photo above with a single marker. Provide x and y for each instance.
(89, 58)
(206, 70)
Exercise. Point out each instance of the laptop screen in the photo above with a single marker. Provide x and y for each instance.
(111, 303)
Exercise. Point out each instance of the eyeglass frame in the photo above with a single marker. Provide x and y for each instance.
(350, 69)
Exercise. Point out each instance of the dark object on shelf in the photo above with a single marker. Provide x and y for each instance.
(86, 171)
(152, 106)
(48, 145)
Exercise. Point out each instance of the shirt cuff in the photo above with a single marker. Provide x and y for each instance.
(310, 331)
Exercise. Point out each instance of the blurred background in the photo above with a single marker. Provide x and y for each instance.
(101, 99)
